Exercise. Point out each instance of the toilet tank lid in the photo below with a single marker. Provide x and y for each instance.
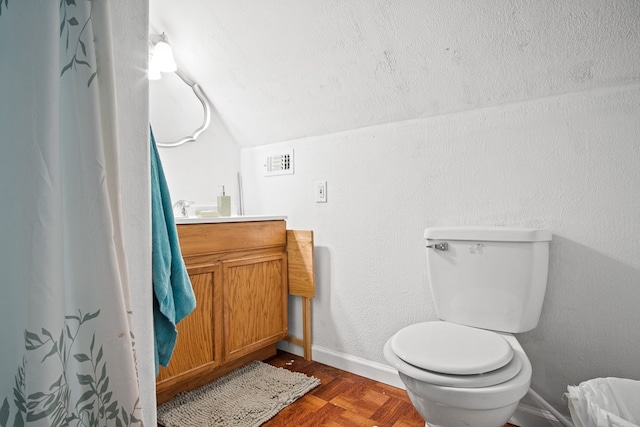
(488, 234)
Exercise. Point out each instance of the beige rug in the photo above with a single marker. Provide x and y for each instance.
(246, 397)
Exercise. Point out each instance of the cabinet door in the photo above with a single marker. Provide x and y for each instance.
(255, 303)
(198, 346)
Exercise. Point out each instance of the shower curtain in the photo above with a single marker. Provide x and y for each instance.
(66, 345)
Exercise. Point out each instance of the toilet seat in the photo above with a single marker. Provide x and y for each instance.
(412, 344)
(450, 348)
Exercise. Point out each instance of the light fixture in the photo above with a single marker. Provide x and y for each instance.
(161, 61)
(160, 56)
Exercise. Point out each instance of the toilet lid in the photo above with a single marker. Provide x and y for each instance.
(450, 348)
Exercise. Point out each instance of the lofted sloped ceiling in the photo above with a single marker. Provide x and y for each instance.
(284, 69)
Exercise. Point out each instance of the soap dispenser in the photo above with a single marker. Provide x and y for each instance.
(224, 204)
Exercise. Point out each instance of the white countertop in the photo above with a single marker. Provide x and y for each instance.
(218, 219)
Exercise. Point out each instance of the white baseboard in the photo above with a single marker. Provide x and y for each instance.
(356, 365)
(525, 416)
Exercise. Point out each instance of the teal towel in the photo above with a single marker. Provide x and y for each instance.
(173, 293)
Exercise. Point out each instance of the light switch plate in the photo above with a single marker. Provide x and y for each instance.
(321, 191)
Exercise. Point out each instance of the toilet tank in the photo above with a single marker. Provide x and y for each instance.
(488, 277)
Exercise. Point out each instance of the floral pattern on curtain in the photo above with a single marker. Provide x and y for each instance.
(67, 349)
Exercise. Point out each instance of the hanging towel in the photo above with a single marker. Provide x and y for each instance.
(173, 293)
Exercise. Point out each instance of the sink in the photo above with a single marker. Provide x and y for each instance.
(206, 213)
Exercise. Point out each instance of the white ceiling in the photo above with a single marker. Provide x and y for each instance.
(284, 69)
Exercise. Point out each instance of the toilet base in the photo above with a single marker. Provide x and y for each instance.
(456, 417)
(439, 415)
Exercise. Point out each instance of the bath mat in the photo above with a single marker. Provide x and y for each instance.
(246, 397)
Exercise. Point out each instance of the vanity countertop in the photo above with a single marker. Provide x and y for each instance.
(219, 219)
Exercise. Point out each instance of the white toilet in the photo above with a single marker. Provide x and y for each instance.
(487, 283)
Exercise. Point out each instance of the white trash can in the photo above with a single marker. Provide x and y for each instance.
(605, 402)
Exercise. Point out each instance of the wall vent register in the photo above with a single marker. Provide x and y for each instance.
(280, 164)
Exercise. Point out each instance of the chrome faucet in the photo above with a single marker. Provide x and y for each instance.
(182, 205)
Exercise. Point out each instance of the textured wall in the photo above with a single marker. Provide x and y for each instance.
(285, 69)
(567, 163)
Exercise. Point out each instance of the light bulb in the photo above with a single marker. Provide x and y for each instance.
(153, 73)
(163, 58)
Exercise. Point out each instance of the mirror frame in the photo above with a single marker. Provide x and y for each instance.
(206, 105)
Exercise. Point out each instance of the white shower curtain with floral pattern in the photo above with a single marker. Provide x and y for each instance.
(67, 353)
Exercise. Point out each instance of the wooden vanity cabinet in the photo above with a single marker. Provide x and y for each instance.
(239, 275)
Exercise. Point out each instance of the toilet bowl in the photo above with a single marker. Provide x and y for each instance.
(467, 398)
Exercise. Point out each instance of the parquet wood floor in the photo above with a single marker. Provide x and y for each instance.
(344, 400)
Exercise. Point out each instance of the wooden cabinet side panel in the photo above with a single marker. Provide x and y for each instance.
(255, 303)
(300, 263)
